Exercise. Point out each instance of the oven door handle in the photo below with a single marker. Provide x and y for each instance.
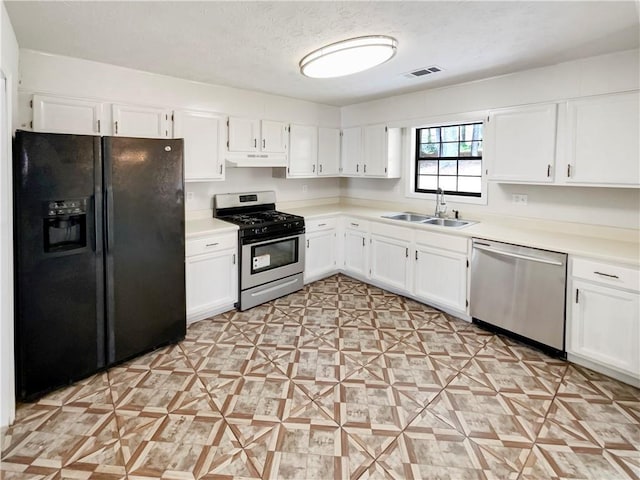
(277, 287)
(271, 239)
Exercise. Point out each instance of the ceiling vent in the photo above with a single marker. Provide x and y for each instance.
(423, 72)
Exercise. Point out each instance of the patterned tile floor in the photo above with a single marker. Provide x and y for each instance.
(340, 380)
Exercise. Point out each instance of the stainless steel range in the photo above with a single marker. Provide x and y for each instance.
(271, 246)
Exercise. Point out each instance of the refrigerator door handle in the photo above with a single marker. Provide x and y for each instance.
(110, 224)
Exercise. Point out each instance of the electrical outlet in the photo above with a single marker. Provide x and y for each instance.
(189, 196)
(519, 199)
(304, 189)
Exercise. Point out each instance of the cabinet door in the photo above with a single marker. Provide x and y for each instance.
(390, 262)
(203, 133)
(355, 252)
(604, 326)
(320, 257)
(67, 115)
(375, 150)
(274, 137)
(441, 277)
(328, 151)
(522, 144)
(604, 140)
(141, 121)
(351, 157)
(303, 151)
(212, 281)
(243, 134)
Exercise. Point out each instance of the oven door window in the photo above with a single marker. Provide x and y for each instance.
(272, 255)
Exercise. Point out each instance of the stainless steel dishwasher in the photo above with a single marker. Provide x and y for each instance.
(520, 289)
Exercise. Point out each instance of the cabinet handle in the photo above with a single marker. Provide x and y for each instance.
(365, 168)
(320, 168)
(220, 169)
(98, 126)
(313, 168)
(116, 127)
(307, 243)
(211, 244)
(569, 170)
(255, 143)
(416, 254)
(357, 167)
(355, 224)
(406, 252)
(577, 295)
(234, 259)
(264, 143)
(549, 170)
(321, 224)
(606, 275)
(363, 241)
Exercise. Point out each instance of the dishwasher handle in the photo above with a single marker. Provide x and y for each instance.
(516, 255)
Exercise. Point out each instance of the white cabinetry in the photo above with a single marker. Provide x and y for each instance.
(257, 143)
(141, 121)
(441, 270)
(603, 330)
(211, 275)
(67, 115)
(321, 254)
(604, 140)
(274, 137)
(328, 151)
(371, 151)
(390, 250)
(303, 151)
(356, 250)
(203, 134)
(521, 143)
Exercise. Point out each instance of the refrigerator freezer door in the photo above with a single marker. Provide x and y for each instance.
(144, 243)
(58, 260)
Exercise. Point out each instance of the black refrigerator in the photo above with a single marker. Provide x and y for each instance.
(99, 253)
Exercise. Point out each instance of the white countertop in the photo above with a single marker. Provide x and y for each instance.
(602, 247)
(208, 226)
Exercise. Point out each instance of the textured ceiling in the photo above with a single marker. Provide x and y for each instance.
(257, 45)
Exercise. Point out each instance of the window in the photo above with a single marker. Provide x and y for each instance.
(449, 157)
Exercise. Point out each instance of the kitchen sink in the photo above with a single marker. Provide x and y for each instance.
(408, 217)
(428, 220)
(447, 222)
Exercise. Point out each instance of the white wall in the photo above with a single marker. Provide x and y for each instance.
(591, 76)
(8, 70)
(53, 74)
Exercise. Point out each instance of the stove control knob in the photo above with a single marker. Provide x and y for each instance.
(264, 229)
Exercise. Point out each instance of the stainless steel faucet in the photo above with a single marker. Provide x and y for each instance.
(441, 204)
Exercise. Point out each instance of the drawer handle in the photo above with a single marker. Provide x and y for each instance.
(606, 275)
(321, 224)
(355, 224)
(211, 244)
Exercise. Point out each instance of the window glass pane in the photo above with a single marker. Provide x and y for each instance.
(430, 135)
(447, 183)
(450, 134)
(470, 167)
(470, 184)
(430, 150)
(471, 133)
(429, 182)
(448, 167)
(449, 149)
(428, 167)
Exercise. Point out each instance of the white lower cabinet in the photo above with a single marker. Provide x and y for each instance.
(356, 247)
(211, 275)
(441, 266)
(390, 250)
(321, 249)
(604, 318)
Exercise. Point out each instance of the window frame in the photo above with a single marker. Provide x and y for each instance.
(409, 142)
(417, 159)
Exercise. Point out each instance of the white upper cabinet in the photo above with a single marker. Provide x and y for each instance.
(303, 154)
(375, 150)
(521, 144)
(67, 115)
(244, 134)
(274, 136)
(328, 151)
(351, 158)
(604, 140)
(141, 121)
(203, 134)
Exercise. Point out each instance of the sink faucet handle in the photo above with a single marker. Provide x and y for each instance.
(456, 214)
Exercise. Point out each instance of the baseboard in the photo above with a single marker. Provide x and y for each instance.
(196, 317)
(596, 367)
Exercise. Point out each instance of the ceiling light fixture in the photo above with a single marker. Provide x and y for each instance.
(348, 56)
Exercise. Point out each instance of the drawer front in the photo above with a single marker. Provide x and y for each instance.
(392, 231)
(442, 240)
(198, 246)
(318, 224)
(356, 224)
(606, 273)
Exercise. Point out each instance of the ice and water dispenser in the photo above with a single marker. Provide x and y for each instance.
(65, 225)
